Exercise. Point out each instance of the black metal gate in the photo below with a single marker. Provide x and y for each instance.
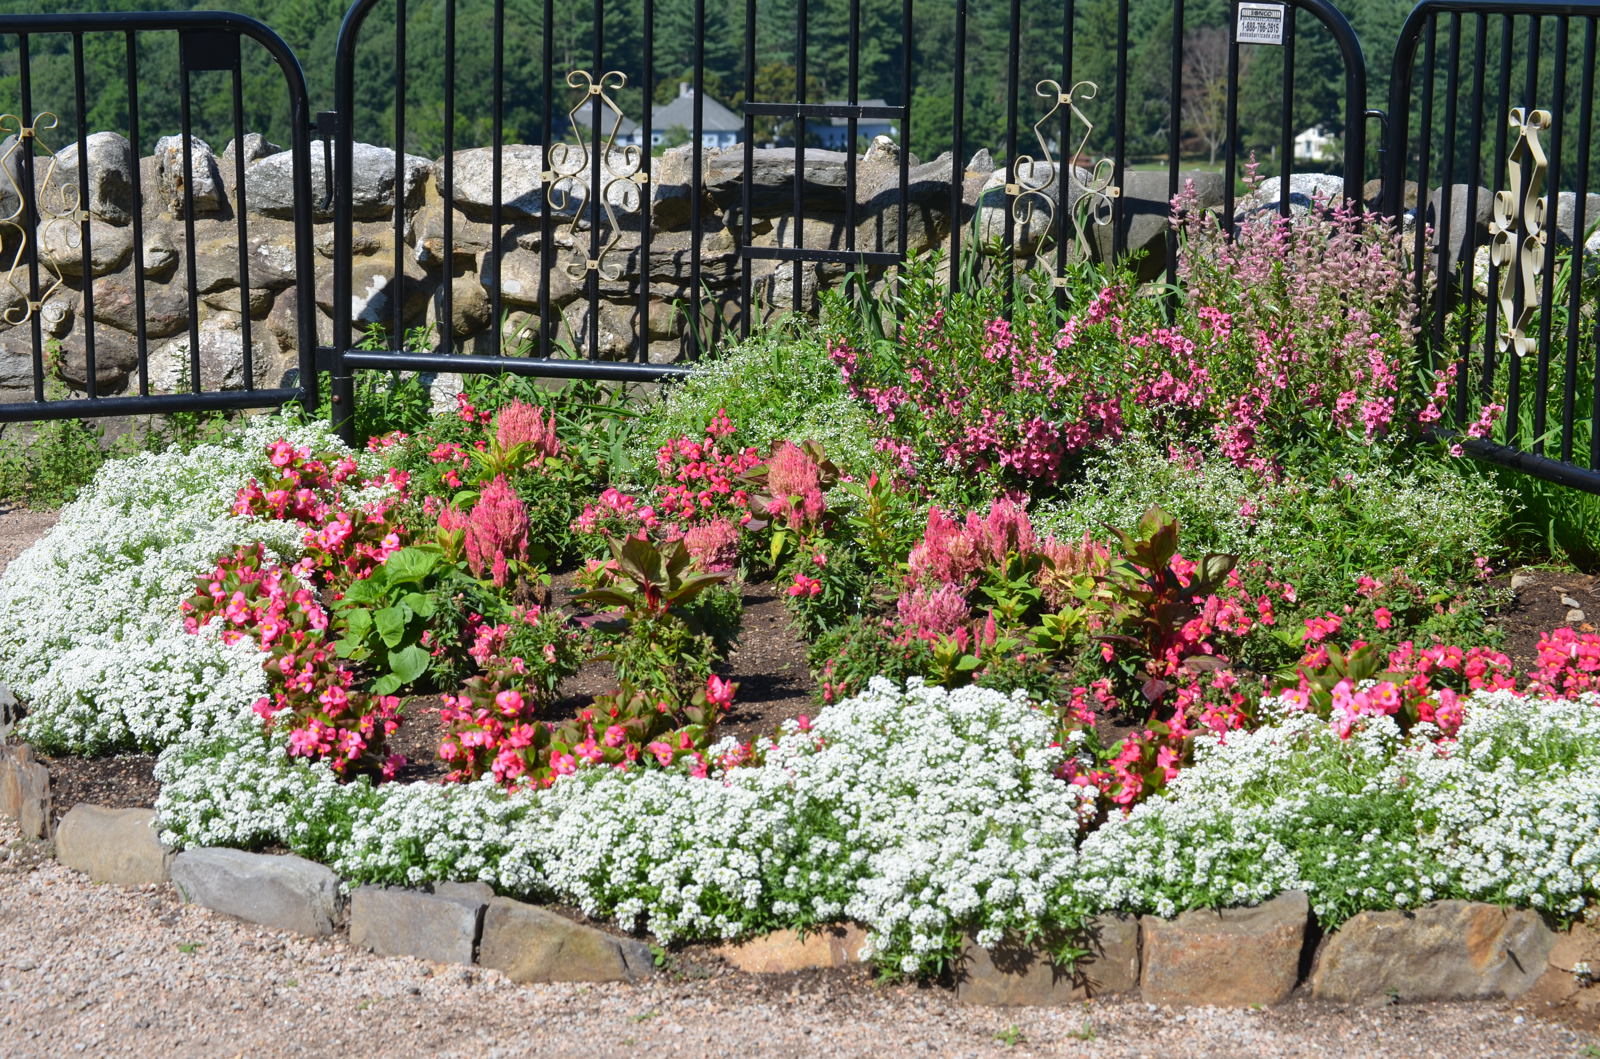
(1495, 160)
(72, 220)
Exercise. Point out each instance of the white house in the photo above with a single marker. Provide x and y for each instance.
(834, 132)
(719, 126)
(1315, 144)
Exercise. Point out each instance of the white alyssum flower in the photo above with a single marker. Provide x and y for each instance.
(91, 637)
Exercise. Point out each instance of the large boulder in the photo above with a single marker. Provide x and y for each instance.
(772, 179)
(112, 845)
(1147, 215)
(165, 309)
(1307, 191)
(115, 356)
(269, 183)
(1014, 974)
(1448, 950)
(62, 247)
(206, 189)
(532, 944)
(1232, 957)
(111, 169)
(927, 202)
(289, 893)
(1467, 210)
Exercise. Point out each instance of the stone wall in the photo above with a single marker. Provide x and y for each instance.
(470, 266)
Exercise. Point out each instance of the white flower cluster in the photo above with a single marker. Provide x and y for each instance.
(1510, 812)
(919, 813)
(90, 633)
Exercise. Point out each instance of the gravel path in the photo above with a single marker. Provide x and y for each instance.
(91, 968)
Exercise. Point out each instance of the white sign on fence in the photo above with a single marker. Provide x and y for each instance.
(1260, 24)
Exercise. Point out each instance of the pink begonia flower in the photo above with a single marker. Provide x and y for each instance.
(719, 692)
(662, 752)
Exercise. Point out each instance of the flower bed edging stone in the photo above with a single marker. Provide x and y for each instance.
(1448, 950)
(1232, 957)
(113, 845)
(287, 892)
(1014, 975)
(838, 945)
(532, 944)
(395, 922)
(25, 790)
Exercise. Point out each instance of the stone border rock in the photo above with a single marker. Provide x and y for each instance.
(1446, 950)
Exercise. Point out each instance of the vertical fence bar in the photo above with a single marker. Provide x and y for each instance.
(697, 237)
(1470, 252)
(646, 189)
(593, 201)
(958, 168)
(240, 206)
(1174, 134)
(141, 337)
(746, 275)
(1119, 160)
(1530, 86)
(1068, 159)
(905, 123)
(447, 307)
(91, 384)
(398, 302)
(547, 134)
(1492, 302)
(801, 43)
(1013, 76)
(30, 211)
(1444, 274)
(853, 83)
(497, 168)
(187, 131)
(1424, 156)
(1579, 258)
(1558, 109)
(1230, 160)
(1286, 132)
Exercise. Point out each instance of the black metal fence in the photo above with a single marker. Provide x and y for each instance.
(65, 215)
(545, 198)
(1493, 115)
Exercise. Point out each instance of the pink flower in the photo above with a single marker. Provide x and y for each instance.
(1382, 618)
(719, 692)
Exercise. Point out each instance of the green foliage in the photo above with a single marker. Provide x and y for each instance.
(779, 385)
(385, 616)
(48, 469)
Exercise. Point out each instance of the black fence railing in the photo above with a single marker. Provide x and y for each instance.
(104, 283)
(1496, 161)
(551, 187)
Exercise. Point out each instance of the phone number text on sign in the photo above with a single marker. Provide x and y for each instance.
(1260, 24)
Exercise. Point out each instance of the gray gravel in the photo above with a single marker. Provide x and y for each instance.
(91, 968)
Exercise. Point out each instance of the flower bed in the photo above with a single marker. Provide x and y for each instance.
(1026, 717)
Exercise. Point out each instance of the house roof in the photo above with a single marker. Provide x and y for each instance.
(714, 117)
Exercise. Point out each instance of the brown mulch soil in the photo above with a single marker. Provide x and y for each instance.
(125, 781)
(768, 664)
(1539, 606)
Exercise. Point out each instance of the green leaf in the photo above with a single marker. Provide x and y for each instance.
(410, 564)
(421, 604)
(391, 624)
(387, 684)
(357, 622)
(408, 664)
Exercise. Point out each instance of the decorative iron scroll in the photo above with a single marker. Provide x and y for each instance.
(620, 168)
(1029, 191)
(1517, 246)
(57, 203)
